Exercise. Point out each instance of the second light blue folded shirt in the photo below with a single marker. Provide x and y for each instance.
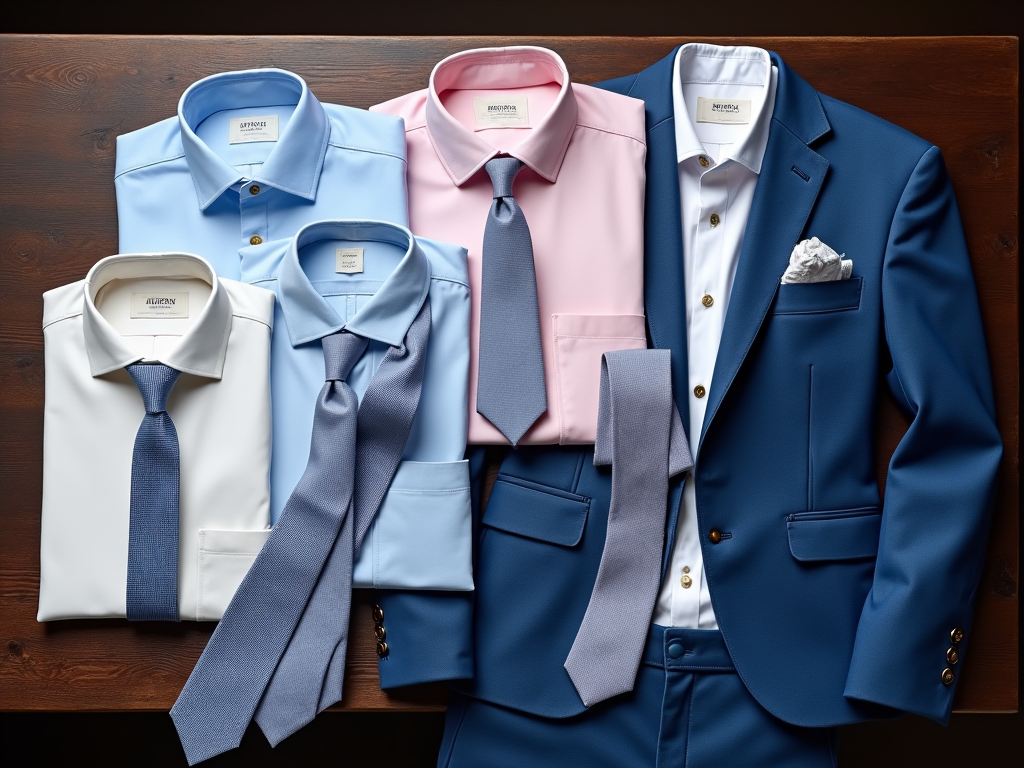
(421, 537)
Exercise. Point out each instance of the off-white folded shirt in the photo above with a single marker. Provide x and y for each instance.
(217, 333)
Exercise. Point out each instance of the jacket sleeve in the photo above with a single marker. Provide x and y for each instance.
(941, 479)
(430, 634)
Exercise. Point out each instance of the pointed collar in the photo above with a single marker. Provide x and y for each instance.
(293, 165)
(739, 65)
(463, 152)
(390, 311)
(202, 348)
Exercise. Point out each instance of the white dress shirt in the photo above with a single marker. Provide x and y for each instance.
(218, 336)
(723, 99)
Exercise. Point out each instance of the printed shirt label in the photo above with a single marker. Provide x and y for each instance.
(723, 110)
(506, 112)
(348, 260)
(172, 305)
(243, 130)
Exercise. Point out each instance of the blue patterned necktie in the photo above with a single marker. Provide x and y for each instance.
(152, 585)
(510, 389)
(640, 434)
(281, 643)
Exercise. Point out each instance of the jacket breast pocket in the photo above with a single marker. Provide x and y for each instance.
(816, 298)
(839, 534)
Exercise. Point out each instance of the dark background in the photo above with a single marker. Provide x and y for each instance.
(406, 740)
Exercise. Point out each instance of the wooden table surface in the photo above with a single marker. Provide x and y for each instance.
(64, 100)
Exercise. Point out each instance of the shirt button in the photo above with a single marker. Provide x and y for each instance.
(699, 390)
(704, 162)
(707, 300)
(686, 581)
(686, 569)
(254, 189)
(255, 240)
(714, 220)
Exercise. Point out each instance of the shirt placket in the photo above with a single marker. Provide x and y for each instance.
(253, 213)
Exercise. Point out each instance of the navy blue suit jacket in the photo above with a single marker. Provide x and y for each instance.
(835, 606)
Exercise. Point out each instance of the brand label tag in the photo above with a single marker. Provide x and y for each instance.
(723, 110)
(164, 305)
(244, 130)
(506, 112)
(348, 260)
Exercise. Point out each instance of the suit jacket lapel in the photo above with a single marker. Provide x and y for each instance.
(791, 177)
(664, 291)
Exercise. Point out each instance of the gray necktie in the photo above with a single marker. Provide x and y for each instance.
(290, 612)
(510, 385)
(640, 434)
(151, 592)
(309, 676)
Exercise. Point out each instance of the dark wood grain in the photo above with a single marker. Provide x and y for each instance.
(64, 100)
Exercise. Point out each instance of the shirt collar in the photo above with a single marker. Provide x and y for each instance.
(740, 65)
(463, 152)
(294, 163)
(202, 348)
(389, 312)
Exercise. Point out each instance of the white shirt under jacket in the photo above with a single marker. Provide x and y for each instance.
(220, 407)
(723, 99)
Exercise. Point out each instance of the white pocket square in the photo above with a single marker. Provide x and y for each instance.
(814, 262)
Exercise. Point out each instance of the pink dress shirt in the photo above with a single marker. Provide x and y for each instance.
(582, 192)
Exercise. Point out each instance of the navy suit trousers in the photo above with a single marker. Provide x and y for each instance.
(688, 709)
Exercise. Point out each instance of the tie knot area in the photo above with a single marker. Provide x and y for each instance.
(155, 382)
(341, 351)
(502, 171)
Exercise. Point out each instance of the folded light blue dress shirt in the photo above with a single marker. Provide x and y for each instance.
(251, 157)
(371, 278)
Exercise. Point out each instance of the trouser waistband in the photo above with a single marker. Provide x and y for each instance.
(700, 650)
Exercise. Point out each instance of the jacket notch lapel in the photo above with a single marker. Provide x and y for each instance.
(791, 177)
(664, 289)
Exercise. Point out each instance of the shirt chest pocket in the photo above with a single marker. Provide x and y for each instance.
(819, 298)
(580, 341)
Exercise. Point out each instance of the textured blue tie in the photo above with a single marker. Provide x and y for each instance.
(640, 434)
(152, 584)
(309, 677)
(222, 693)
(279, 651)
(510, 384)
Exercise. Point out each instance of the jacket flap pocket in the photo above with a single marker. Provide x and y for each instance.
(811, 298)
(546, 514)
(844, 534)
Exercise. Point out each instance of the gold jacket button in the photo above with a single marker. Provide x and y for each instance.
(956, 635)
(382, 650)
(378, 614)
(380, 632)
(947, 676)
(952, 655)
(715, 536)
